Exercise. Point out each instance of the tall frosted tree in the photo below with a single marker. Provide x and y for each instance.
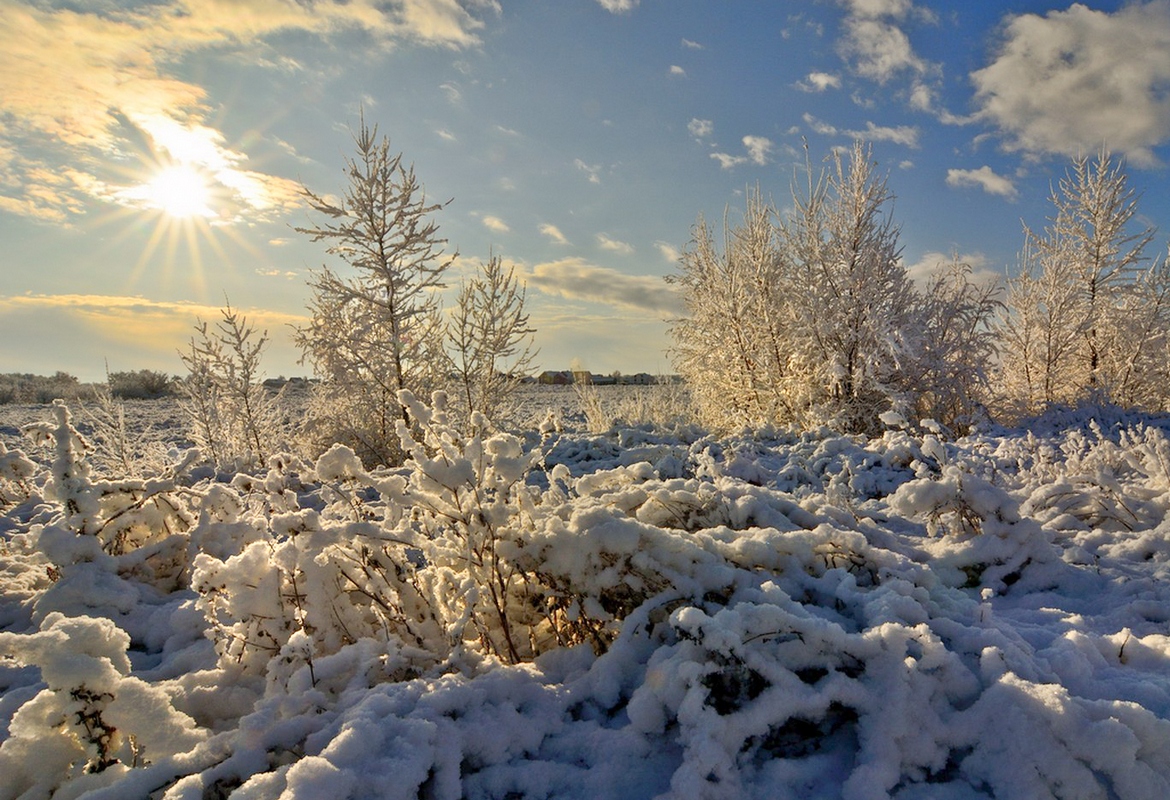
(1087, 313)
(372, 330)
(852, 302)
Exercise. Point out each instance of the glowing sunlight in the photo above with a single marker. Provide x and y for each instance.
(179, 191)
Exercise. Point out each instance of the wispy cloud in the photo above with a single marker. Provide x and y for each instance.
(901, 134)
(692, 45)
(677, 71)
(613, 245)
(727, 161)
(495, 224)
(1073, 80)
(553, 233)
(874, 43)
(758, 148)
(618, 6)
(931, 264)
(577, 279)
(591, 170)
(983, 178)
(668, 251)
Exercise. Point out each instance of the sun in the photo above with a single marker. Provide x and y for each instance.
(180, 191)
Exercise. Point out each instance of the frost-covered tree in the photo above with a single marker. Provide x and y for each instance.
(233, 417)
(850, 300)
(955, 346)
(489, 338)
(730, 344)
(372, 331)
(1086, 314)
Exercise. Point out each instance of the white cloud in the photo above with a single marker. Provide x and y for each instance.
(932, 263)
(613, 245)
(875, 9)
(1073, 80)
(819, 82)
(669, 252)
(901, 134)
(906, 135)
(577, 279)
(451, 90)
(274, 272)
(495, 224)
(591, 171)
(692, 45)
(75, 332)
(984, 178)
(727, 161)
(446, 135)
(758, 148)
(701, 128)
(553, 233)
(675, 69)
(879, 50)
(618, 6)
(118, 75)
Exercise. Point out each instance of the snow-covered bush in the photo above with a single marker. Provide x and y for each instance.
(770, 614)
(93, 722)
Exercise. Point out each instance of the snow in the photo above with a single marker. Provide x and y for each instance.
(783, 614)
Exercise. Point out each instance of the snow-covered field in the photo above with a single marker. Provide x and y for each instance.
(777, 615)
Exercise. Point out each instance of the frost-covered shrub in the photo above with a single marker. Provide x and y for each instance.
(233, 417)
(93, 722)
(15, 472)
(122, 514)
(143, 384)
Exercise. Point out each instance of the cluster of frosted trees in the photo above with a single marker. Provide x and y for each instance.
(808, 317)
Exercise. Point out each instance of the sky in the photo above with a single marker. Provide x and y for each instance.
(153, 152)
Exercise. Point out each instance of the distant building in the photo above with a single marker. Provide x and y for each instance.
(552, 377)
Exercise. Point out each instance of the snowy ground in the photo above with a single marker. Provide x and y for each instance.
(782, 615)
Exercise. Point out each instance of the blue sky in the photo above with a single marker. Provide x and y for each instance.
(151, 151)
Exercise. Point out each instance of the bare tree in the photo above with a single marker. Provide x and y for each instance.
(956, 347)
(372, 334)
(489, 338)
